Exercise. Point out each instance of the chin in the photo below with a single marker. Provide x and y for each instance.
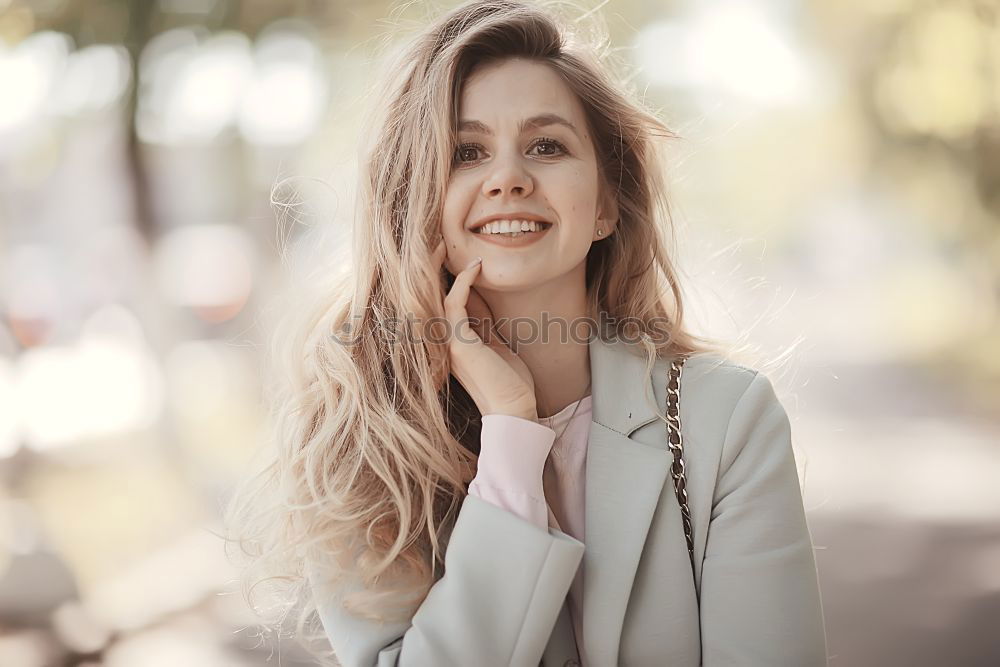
(503, 280)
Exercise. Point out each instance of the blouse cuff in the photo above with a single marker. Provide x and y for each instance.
(512, 454)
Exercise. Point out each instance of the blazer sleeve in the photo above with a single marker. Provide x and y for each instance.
(504, 584)
(760, 597)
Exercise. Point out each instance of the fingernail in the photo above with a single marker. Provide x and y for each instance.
(473, 263)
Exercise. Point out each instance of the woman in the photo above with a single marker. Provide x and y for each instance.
(512, 193)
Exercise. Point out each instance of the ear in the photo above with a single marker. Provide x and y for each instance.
(607, 214)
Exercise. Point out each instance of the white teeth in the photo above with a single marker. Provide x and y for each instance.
(515, 227)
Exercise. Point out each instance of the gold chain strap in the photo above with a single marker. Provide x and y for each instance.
(676, 445)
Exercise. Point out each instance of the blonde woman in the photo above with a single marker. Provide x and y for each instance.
(472, 459)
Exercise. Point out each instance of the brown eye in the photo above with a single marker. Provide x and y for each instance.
(548, 148)
(466, 153)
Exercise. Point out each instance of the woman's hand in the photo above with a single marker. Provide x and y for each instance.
(496, 378)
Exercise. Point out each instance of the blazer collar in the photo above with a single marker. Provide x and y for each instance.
(619, 391)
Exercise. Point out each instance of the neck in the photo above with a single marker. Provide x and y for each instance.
(537, 323)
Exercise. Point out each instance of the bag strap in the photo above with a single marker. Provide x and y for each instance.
(676, 445)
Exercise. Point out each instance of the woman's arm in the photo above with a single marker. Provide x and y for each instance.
(760, 597)
(505, 581)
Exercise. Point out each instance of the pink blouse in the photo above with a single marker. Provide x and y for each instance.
(517, 473)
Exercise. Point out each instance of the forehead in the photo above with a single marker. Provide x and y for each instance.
(499, 94)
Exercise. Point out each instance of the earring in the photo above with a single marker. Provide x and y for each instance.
(600, 232)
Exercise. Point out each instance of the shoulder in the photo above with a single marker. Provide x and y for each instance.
(718, 396)
(725, 405)
(710, 382)
(736, 408)
(732, 386)
(717, 372)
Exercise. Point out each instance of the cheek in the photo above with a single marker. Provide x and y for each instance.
(578, 191)
(457, 200)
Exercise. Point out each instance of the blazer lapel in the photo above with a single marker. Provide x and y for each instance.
(624, 479)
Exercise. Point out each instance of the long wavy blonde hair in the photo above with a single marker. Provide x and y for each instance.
(374, 443)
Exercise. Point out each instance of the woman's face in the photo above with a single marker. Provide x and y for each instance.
(524, 153)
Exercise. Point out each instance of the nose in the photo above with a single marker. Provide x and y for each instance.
(507, 177)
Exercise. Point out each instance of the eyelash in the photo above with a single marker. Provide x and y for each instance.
(540, 140)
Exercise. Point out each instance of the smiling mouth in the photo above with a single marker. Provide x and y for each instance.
(512, 228)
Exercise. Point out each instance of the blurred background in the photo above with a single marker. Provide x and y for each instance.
(836, 185)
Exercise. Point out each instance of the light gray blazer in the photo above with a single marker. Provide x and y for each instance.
(502, 598)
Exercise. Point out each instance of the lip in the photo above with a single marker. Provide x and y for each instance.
(510, 241)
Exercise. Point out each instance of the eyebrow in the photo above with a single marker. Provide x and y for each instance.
(532, 123)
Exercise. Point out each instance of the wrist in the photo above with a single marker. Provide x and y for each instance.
(523, 412)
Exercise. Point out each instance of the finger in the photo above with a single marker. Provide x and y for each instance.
(457, 298)
(479, 311)
(463, 281)
(476, 307)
